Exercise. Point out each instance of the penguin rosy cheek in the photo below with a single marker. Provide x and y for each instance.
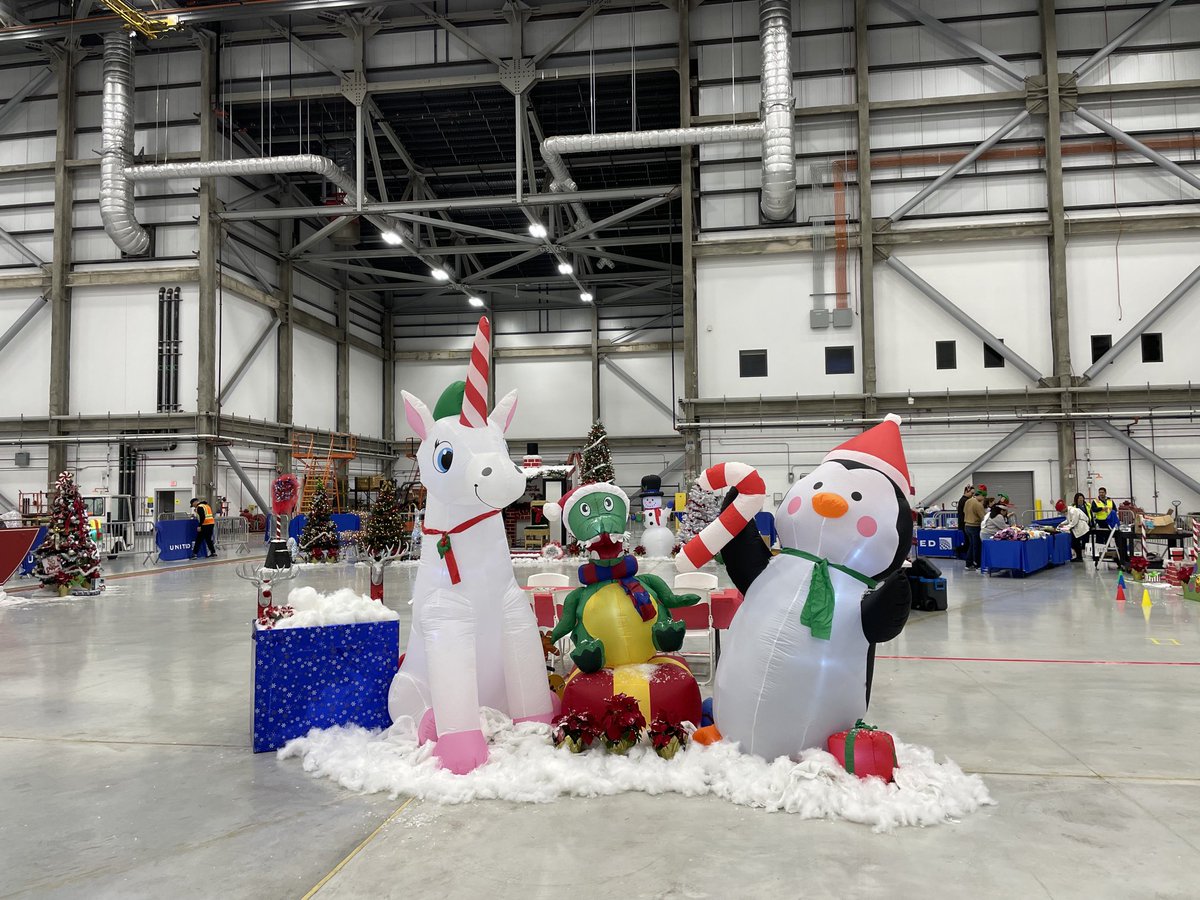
(867, 526)
(793, 506)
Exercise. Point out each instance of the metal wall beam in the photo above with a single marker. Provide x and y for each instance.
(60, 266)
(389, 376)
(1056, 248)
(983, 459)
(1177, 293)
(961, 41)
(866, 253)
(1123, 38)
(31, 87)
(209, 239)
(648, 395)
(595, 367)
(343, 361)
(955, 312)
(244, 366)
(243, 477)
(1146, 453)
(284, 335)
(22, 320)
(692, 446)
(1138, 147)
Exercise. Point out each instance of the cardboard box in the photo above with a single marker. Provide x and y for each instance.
(1159, 524)
(319, 677)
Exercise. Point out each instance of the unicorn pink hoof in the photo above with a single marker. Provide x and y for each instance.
(461, 752)
(427, 730)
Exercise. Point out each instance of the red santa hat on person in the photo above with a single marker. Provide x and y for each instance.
(562, 508)
(881, 449)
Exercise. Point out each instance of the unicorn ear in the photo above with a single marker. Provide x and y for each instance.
(417, 413)
(503, 413)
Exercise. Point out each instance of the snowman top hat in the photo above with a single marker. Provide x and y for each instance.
(880, 448)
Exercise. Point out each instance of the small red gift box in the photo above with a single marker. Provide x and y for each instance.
(865, 751)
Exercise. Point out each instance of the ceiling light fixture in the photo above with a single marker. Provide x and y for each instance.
(538, 230)
(475, 301)
(440, 274)
(565, 268)
(391, 237)
(586, 297)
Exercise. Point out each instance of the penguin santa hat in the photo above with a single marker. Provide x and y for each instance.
(880, 448)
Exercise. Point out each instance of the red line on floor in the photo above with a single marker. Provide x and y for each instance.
(1072, 662)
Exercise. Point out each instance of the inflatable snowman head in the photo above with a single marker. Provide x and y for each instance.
(853, 509)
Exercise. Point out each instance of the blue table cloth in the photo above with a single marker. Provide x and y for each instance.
(1060, 549)
(1025, 557)
(175, 537)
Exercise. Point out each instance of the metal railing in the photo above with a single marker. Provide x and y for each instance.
(232, 535)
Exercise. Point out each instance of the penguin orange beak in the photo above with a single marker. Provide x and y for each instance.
(831, 506)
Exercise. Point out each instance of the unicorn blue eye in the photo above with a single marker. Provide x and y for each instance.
(443, 457)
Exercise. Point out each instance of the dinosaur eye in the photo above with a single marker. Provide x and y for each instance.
(856, 496)
(585, 509)
(443, 457)
(817, 486)
(608, 504)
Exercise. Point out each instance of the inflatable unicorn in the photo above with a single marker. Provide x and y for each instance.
(474, 639)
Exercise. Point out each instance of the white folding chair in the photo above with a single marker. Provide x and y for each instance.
(544, 586)
(698, 618)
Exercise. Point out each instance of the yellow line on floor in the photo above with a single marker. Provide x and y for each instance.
(353, 853)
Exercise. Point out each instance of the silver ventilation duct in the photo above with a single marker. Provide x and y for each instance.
(116, 147)
(776, 130)
(117, 176)
(778, 111)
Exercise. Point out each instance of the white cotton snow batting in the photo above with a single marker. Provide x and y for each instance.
(525, 767)
(342, 607)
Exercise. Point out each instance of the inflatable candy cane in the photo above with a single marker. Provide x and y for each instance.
(752, 495)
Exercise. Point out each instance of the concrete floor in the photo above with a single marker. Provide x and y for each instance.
(125, 769)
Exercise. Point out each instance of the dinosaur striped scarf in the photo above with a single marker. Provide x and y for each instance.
(623, 571)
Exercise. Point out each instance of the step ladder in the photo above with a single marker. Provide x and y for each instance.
(321, 455)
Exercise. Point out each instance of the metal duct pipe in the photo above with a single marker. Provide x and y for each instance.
(116, 147)
(778, 111)
(776, 131)
(272, 165)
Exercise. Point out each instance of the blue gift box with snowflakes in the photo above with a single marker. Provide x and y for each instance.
(322, 676)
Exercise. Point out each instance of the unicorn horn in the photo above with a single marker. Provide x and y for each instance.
(474, 408)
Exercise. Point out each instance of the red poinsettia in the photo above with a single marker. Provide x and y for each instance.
(663, 731)
(1139, 563)
(622, 722)
(575, 729)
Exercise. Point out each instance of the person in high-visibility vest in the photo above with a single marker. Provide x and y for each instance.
(204, 534)
(1102, 510)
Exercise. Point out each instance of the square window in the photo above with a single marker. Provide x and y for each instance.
(1101, 344)
(947, 354)
(992, 359)
(1152, 347)
(753, 363)
(839, 360)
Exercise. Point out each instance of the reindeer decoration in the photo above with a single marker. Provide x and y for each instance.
(474, 640)
(263, 577)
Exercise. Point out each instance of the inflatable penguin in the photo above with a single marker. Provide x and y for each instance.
(797, 660)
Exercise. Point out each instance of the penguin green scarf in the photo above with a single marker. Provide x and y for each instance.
(818, 605)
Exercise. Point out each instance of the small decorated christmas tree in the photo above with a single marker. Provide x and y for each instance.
(596, 464)
(383, 533)
(67, 558)
(320, 537)
(702, 507)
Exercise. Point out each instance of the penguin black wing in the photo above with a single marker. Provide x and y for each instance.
(746, 555)
(885, 609)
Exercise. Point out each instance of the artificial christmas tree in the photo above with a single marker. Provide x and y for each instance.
(702, 507)
(382, 538)
(596, 464)
(67, 558)
(320, 536)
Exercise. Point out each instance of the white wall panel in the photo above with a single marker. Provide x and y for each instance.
(314, 373)
(1112, 283)
(14, 479)
(114, 349)
(1002, 285)
(255, 395)
(25, 362)
(553, 400)
(751, 303)
(624, 411)
(366, 394)
(425, 381)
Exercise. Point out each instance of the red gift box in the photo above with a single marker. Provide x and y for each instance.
(865, 751)
(664, 687)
